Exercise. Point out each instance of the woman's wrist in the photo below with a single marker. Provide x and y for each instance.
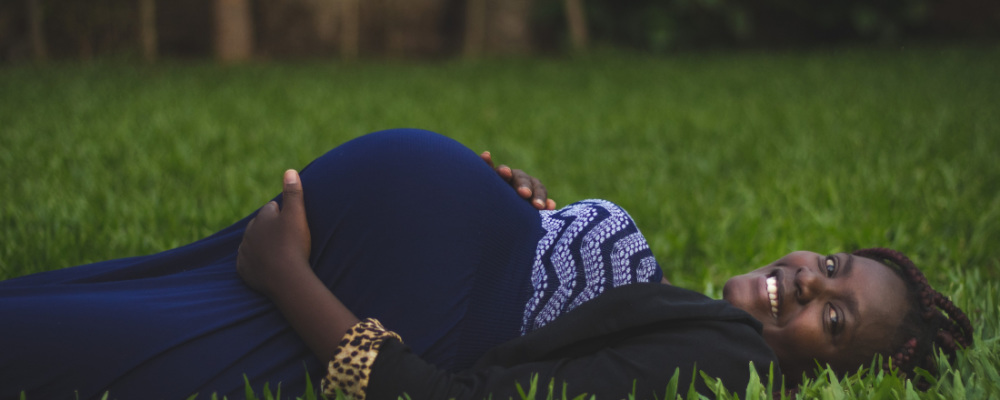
(311, 309)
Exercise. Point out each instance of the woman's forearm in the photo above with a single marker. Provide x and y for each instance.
(319, 318)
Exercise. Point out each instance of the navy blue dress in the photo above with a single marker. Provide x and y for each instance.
(408, 226)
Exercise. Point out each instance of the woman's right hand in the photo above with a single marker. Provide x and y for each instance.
(527, 186)
(274, 260)
(274, 253)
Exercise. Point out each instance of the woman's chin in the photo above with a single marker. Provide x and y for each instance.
(731, 291)
(740, 292)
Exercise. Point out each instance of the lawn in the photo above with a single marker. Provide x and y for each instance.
(726, 160)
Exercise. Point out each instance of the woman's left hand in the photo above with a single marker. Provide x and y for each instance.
(527, 186)
(276, 243)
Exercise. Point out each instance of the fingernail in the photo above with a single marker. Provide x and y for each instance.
(539, 202)
(290, 177)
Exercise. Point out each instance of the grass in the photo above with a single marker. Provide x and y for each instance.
(726, 160)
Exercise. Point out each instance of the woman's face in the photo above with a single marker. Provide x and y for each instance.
(837, 310)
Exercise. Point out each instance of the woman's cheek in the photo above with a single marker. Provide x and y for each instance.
(790, 348)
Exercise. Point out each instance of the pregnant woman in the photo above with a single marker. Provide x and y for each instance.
(400, 263)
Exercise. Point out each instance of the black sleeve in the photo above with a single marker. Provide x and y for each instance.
(607, 370)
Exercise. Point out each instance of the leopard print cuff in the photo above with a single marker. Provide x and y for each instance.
(351, 366)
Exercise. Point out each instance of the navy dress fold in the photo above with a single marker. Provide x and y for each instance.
(392, 214)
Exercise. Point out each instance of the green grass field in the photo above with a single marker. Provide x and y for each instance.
(726, 160)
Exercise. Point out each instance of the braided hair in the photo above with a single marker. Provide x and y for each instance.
(934, 322)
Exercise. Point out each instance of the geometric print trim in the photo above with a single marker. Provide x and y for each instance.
(588, 247)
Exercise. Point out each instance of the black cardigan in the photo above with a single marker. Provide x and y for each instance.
(638, 333)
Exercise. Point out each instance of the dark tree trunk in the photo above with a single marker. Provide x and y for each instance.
(576, 21)
(475, 28)
(36, 30)
(233, 30)
(147, 30)
(327, 19)
(510, 28)
(350, 32)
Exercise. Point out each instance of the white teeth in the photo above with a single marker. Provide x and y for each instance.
(772, 294)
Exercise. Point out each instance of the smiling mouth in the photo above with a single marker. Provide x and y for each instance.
(772, 292)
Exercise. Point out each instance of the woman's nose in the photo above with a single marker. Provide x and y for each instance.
(809, 284)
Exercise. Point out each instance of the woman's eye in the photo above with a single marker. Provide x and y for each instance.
(834, 320)
(831, 266)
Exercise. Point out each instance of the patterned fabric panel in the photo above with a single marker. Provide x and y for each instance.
(588, 247)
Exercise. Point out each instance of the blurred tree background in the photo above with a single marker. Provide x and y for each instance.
(237, 30)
